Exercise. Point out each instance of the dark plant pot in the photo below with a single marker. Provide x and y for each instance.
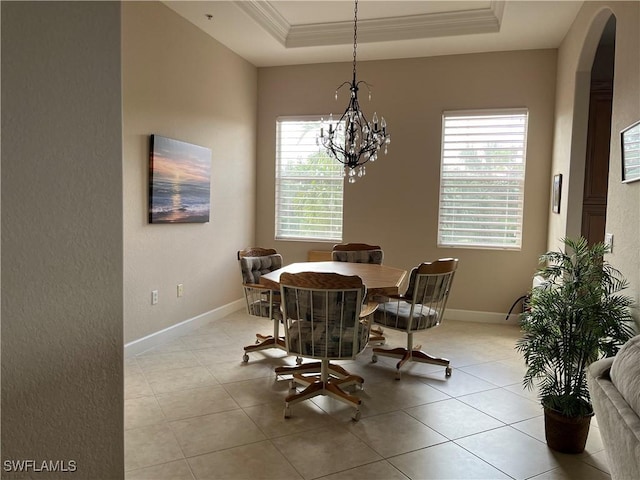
(566, 434)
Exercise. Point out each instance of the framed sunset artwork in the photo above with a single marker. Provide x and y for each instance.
(179, 181)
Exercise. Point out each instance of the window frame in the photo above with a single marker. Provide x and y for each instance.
(497, 112)
(279, 234)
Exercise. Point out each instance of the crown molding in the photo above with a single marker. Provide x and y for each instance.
(267, 17)
(464, 22)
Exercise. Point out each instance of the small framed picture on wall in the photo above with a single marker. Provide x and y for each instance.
(556, 192)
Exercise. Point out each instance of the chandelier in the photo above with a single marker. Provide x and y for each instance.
(353, 140)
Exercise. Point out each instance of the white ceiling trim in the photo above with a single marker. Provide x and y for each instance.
(463, 22)
(267, 17)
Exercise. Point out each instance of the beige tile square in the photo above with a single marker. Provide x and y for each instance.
(511, 452)
(499, 373)
(258, 391)
(395, 433)
(178, 470)
(195, 402)
(391, 394)
(373, 471)
(256, 461)
(237, 371)
(136, 385)
(171, 346)
(445, 461)
(305, 416)
(131, 367)
(333, 450)
(165, 381)
(453, 419)
(225, 353)
(205, 340)
(167, 361)
(458, 384)
(503, 405)
(218, 431)
(142, 411)
(598, 460)
(573, 469)
(518, 389)
(152, 445)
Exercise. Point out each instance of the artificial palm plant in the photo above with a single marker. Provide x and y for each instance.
(577, 316)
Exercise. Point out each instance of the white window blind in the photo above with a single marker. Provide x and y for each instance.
(482, 178)
(309, 184)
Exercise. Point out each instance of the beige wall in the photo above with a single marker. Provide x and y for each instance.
(575, 59)
(396, 204)
(179, 82)
(62, 382)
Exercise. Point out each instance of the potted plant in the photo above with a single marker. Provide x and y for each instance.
(576, 317)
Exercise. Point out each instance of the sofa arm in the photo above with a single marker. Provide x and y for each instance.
(618, 423)
(601, 368)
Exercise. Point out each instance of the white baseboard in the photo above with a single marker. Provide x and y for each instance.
(179, 329)
(481, 317)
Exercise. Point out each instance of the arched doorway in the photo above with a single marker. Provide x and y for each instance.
(596, 174)
(580, 121)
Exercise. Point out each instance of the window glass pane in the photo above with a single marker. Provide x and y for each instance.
(482, 179)
(309, 185)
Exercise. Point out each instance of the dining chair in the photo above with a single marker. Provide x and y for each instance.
(421, 307)
(261, 301)
(357, 253)
(361, 253)
(325, 320)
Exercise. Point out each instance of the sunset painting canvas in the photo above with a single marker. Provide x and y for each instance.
(179, 181)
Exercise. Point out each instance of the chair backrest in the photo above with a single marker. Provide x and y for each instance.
(256, 261)
(429, 287)
(425, 299)
(357, 253)
(322, 314)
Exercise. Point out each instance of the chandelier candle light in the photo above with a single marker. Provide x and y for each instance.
(353, 140)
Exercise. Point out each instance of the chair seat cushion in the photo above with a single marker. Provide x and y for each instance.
(397, 314)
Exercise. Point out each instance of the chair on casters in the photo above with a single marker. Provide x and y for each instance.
(260, 300)
(361, 253)
(324, 319)
(421, 307)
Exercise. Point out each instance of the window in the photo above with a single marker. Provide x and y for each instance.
(309, 184)
(482, 179)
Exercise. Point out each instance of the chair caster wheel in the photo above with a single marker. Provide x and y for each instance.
(447, 372)
(287, 411)
(292, 385)
(398, 375)
(245, 358)
(374, 358)
(356, 416)
(298, 360)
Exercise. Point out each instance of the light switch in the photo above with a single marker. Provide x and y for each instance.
(608, 240)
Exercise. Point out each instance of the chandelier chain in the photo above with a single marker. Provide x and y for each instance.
(353, 140)
(355, 36)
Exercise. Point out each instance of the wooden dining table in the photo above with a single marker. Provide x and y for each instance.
(379, 279)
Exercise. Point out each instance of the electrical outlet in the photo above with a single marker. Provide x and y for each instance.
(154, 297)
(180, 289)
(608, 240)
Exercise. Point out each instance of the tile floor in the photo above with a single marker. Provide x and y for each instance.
(193, 410)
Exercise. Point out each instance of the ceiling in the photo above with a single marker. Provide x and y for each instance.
(271, 33)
